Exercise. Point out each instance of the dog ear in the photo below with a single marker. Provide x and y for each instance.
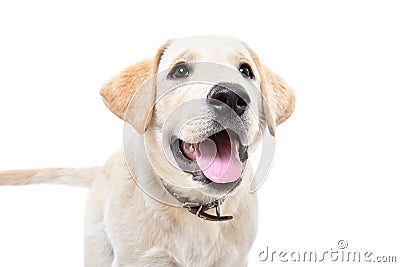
(276, 92)
(131, 94)
(119, 91)
(281, 97)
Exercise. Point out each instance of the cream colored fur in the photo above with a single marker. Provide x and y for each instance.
(126, 227)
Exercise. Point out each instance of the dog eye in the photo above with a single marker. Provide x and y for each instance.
(179, 71)
(246, 71)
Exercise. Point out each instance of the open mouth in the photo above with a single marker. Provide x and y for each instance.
(219, 158)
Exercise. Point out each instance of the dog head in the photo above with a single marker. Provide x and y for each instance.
(201, 105)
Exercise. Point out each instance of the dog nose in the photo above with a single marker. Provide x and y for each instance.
(231, 94)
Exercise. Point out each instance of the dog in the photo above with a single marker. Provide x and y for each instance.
(177, 193)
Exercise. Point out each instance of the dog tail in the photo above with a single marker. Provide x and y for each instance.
(75, 177)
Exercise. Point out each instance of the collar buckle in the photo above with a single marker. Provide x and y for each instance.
(200, 210)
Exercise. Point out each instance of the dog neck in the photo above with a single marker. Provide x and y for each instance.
(197, 208)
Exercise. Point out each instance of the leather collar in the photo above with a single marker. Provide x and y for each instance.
(199, 209)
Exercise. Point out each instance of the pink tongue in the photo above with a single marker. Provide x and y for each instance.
(216, 160)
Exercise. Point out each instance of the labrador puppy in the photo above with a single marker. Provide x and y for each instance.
(177, 193)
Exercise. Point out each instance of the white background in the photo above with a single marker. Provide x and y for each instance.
(336, 171)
